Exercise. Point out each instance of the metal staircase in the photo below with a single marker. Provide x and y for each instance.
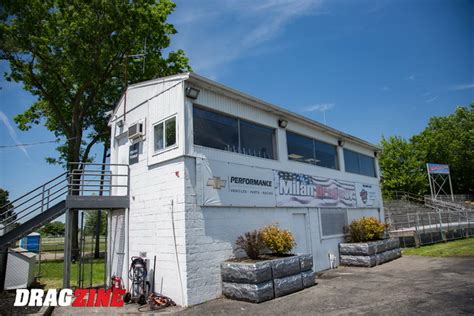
(33, 209)
(84, 186)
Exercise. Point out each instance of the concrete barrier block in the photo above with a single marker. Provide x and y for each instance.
(252, 273)
(287, 285)
(254, 293)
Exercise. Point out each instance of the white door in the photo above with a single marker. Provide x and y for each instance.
(301, 233)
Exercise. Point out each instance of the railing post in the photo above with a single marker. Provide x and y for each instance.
(42, 199)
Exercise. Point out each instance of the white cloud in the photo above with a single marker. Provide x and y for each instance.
(466, 86)
(411, 77)
(322, 107)
(432, 99)
(217, 32)
(13, 134)
(385, 88)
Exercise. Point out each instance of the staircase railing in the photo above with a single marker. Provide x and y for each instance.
(35, 201)
(82, 179)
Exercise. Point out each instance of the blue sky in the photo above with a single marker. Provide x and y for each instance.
(372, 67)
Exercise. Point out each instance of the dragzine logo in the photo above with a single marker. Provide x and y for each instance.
(68, 297)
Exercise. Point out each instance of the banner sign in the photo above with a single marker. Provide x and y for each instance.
(435, 168)
(236, 185)
(367, 195)
(308, 191)
(229, 184)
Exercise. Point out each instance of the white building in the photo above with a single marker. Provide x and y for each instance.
(209, 163)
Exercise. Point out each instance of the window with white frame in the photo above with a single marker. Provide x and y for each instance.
(165, 134)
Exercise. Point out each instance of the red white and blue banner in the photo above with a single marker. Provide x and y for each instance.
(435, 168)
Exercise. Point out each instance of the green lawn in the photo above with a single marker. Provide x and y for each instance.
(456, 248)
(52, 244)
(52, 273)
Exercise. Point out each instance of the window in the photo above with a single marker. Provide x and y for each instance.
(256, 140)
(333, 221)
(165, 134)
(215, 130)
(359, 163)
(308, 150)
(224, 132)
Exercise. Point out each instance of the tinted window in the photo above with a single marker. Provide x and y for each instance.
(359, 163)
(224, 132)
(300, 148)
(256, 140)
(326, 155)
(367, 165)
(351, 161)
(215, 130)
(305, 149)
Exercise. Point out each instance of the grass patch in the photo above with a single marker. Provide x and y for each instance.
(456, 248)
(52, 273)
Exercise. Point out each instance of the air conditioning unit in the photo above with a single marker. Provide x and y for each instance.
(136, 130)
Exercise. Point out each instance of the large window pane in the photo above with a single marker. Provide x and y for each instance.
(351, 161)
(326, 155)
(215, 130)
(300, 148)
(170, 132)
(359, 163)
(158, 135)
(256, 140)
(367, 165)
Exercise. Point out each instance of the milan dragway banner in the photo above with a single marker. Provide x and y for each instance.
(308, 191)
(435, 168)
(229, 184)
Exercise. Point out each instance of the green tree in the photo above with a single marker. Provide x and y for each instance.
(74, 56)
(90, 223)
(402, 167)
(52, 229)
(6, 211)
(450, 140)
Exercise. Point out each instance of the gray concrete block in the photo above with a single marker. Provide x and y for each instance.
(287, 285)
(285, 266)
(254, 293)
(308, 278)
(358, 261)
(252, 273)
(306, 262)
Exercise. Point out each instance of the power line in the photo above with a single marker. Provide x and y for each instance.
(29, 144)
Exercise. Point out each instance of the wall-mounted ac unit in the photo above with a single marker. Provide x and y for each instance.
(136, 130)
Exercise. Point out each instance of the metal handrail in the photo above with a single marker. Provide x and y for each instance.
(74, 182)
(41, 186)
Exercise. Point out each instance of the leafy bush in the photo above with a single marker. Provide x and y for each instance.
(278, 240)
(365, 229)
(252, 243)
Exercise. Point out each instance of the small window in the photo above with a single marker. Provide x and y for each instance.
(359, 163)
(333, 221)
(311, 151)
(165, 134)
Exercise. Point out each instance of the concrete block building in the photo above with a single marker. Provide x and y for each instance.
(209, 163)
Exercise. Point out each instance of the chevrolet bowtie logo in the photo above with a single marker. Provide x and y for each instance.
(216, 183)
